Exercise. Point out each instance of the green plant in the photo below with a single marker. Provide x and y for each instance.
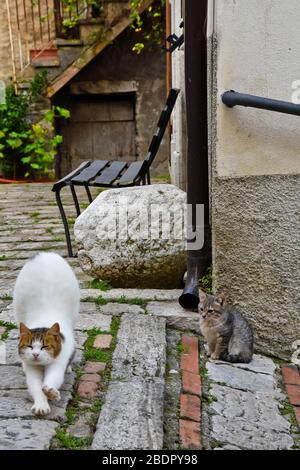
(72, 14)
(95, 354)
(100, 300)
(206, 281)
(71, 442)
(100, 284)
(25, 147)
(150, 26)
(124, 300)
(9, 326)
(35, 215)
(6, 297)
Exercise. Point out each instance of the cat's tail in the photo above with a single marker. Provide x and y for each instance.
(236, 358)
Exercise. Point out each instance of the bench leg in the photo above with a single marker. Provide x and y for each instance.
(88, 192)
(65, 222)
(77, 207)
(148, 177)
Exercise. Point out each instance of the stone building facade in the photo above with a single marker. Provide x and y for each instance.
(254, 165)
(256, 168)
(115, 96)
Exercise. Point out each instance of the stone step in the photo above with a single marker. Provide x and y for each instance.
(132, 416)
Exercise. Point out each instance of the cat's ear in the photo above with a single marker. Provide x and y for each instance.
(220, 299)
(54, 330)
(23, 329)
(202, 296)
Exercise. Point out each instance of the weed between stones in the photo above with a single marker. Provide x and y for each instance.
(8, 326)
(6, 297)
(35, 215)
(90, 408)
(100, 300)
(100, 284)
(68, 441)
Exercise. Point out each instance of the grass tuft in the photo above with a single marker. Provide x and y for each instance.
(100, 284)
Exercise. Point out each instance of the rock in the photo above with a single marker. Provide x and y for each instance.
(130, 294)
(241, 379)
(80, 339)
(176, 316)
(11, 352)
(141, 348)
(259, 364)
(17, 434)
(17, 404)
(88, 321)
(12, 377)
(7, 315)
(132, 416)
(260, 408)
(137, 255)
(112, 308)
(249, 435)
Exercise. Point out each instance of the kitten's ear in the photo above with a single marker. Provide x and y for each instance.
(220, 299)
(23, 329)
(54, 330)
(202, 296)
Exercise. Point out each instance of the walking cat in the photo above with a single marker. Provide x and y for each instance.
(228, 334)
(46, 304)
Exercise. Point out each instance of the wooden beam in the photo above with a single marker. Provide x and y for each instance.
(99, 87)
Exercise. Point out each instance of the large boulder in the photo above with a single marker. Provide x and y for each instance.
(120, 237)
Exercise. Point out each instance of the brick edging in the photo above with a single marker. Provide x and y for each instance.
(291, 378)
(190, 398)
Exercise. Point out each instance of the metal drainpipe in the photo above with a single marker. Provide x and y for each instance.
(197, 146)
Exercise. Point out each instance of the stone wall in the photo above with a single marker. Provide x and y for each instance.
(255, 169)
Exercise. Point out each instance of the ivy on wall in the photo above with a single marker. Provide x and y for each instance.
(154, 15)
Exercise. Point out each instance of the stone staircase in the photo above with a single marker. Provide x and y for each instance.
(63, 58)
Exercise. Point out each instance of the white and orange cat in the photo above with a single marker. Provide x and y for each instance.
(46, 304)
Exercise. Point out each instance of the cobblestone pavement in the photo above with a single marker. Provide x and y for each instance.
(138, 381)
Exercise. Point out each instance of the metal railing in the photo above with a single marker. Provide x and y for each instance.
(233, 98)
(33, 26)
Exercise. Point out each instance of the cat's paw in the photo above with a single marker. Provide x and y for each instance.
(41, 408)
(215, 357)
(51, 393)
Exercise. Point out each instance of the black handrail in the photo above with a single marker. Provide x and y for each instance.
(233, 98)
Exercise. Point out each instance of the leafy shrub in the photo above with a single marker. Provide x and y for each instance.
(27, 148)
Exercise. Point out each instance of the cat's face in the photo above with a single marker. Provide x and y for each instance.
(211, 307)
(39, 346)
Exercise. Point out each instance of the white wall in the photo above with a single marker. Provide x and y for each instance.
(258, 53)
(178, 137)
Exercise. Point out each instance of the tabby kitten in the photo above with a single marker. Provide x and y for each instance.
(46, 304)
(228, 334)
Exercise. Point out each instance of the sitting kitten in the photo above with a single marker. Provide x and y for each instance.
(228, 334)
(46, 304)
